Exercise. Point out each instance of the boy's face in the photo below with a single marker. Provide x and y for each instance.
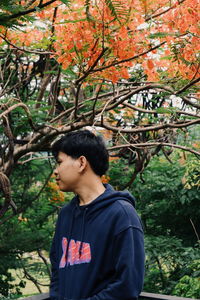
(66, 172)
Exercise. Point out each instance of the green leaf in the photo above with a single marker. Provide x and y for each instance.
(158, 35)
(72, 21)
(163, 110)
(67, 2)
(117, 10)
(168, 57)
(166, 110)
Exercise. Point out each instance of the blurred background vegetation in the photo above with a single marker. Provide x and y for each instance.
(167, 199)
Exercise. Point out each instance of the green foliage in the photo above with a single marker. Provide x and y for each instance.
(32, 229)
(66, 2)
(188, 287)
(158, 35)
(117, 9)
(166, 205)
(117, 168)
(192, 175)
(167, 261)
(170, 213)
(7, 261)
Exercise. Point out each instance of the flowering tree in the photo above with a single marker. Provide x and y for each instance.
(128, 67)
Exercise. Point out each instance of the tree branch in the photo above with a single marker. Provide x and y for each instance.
(156, 112)
(128, 59)
(154, 144)
(148, 128)
(45, 262)
(91, 69)
(187, 101)
(25, 108)
(188, 86)
(26, 12)
(163, 12)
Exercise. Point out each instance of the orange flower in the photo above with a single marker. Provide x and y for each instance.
(105, 179)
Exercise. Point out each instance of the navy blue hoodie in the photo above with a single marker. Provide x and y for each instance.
(98, 251)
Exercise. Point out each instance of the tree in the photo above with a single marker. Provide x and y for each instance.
(130, 67)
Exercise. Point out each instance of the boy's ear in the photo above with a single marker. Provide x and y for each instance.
(82, 163)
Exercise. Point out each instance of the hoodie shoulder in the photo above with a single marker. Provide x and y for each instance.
(127, 216)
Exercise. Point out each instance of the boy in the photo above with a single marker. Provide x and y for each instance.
(97, 251)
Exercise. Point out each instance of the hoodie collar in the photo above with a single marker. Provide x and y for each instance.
(106, 198)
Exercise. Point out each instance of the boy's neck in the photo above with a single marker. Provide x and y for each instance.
(89, 191)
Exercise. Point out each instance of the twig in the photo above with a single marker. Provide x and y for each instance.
(33, 158)
(162, 12)
(187, 101)
(64, 113)
(76, 100)
(91, 69)
(97, 95)
(196, 233)
(45, 261)
(128, 59)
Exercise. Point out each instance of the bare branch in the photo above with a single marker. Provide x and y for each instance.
(191, 83)
(154, 144)
(97, 96)
(180, 112)
(33, 158)
(138, 129)
(29, 4)
(66, 112)
(45, 262)
(189, 102)
(196, 233)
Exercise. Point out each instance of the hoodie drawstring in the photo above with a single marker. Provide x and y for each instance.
(82, 231)
(70, 231)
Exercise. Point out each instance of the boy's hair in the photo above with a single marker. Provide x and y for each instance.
(85, 143)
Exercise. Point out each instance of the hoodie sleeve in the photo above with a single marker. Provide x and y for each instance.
(54, 264)
(129, 262)
(129, 267)
(54, 273)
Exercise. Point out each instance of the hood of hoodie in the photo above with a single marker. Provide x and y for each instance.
(108, 197)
